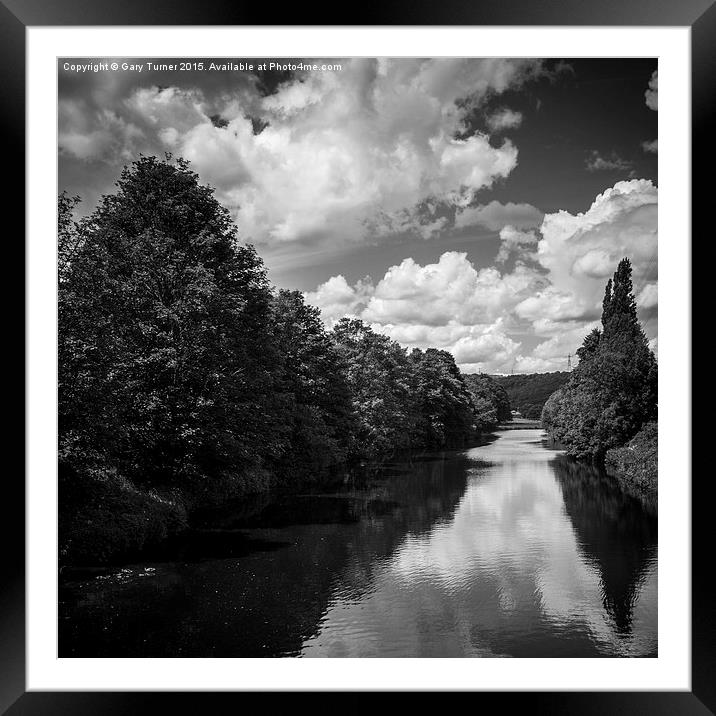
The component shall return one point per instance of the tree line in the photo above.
(612, 393)
(182, 370)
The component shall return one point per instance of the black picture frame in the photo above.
(699, 15)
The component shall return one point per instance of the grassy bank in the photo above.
(635, 464)
(103, 517)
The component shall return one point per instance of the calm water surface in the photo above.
(508, 549)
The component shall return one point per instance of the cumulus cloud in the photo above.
(450, 304)
(651, 147)
(515, 241)
(353, 154)
(580, 252)
(504, 119)
(488, 348)
(526, 319)
(337, 298)
(652, 93)
(621, 219)
(451, 290)
(168, 107)
(648, 297)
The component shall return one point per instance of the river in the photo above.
(505, 549)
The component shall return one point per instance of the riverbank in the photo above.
(106, 520)
(635, 465)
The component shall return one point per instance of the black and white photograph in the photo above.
(357, 357)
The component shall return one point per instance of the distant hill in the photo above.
(529, 392)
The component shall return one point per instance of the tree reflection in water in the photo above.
(616, 530)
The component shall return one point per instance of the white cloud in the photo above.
(596, 263)
(595, 162)
(652, 93)
(168, 107)
(504, 119)
(651, 147)
(450, 290)
(648, 297)
(354, 153)
(337, 299)
(552, 305)
(515, 241)
(342, 155)
(450, 304)
(581, 251)
(489, 348)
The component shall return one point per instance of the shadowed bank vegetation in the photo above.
(186, 379)
(636, 464)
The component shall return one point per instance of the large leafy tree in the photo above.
(165, 363)
(613, 390)
(317, 419)
(378, 373)
(403, 402)
(443, 405)
(490, 400)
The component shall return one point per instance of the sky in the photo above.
(475, 205)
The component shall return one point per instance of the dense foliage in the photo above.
(316, 420)
(635, 464)
(490, 401)
(163, 350)
(184, 377)
(612, 393)
(528, 393)
(444, 410)
(402, 401)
